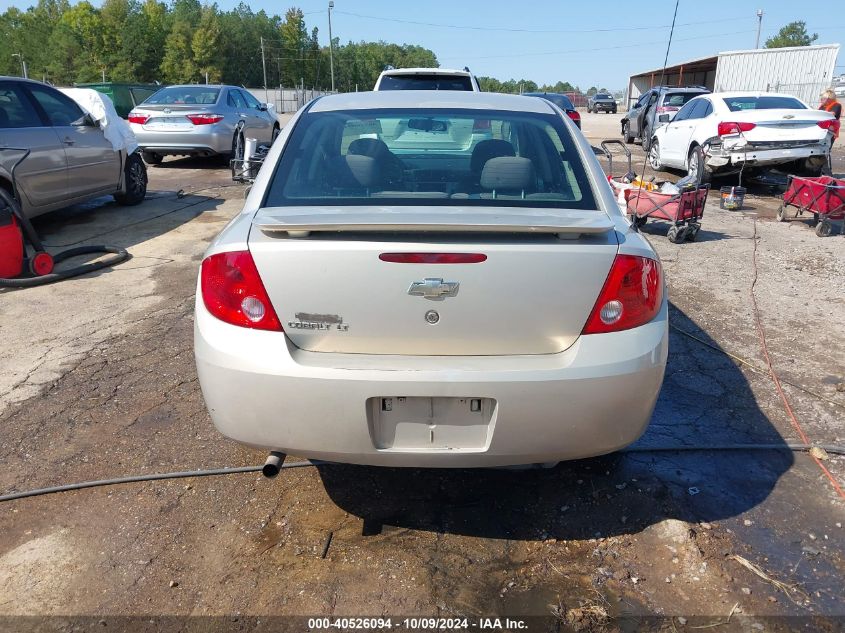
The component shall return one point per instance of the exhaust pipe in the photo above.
(273, 464)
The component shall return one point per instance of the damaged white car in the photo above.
(723, 133)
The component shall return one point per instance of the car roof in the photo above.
(700, 89)
(747, 93)
(426, 71)
(445, 99)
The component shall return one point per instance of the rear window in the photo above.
(737, 104)
(184, 95)
(677, 99)
(561, 101)
(425, 82)
(431, 157)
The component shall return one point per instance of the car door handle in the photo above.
(69, 141)
(242, 115)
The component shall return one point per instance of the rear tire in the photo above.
(151, 158)
(626, 132)
(695, 166)
(654, 156)
(135, 177)
(676, 234)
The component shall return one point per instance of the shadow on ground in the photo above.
(705, 401)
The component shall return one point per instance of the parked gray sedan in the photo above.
(200, 121)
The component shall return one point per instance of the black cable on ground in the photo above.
(829, 448)
(119, 255)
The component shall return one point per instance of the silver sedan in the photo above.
(200, 121)
(398, 291)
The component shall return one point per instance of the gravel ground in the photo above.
(107, 387)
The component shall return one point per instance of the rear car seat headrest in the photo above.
(508, 173)
(353, 171)
(485, 150)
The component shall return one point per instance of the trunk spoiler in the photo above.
(300, 221)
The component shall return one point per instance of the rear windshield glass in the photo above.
(431, 157)
(424, 82)
(182, 95)
(561, 101)
(763, 103)
(677, 99)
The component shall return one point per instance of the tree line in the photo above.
(184, 41)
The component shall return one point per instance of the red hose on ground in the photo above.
(794, 420)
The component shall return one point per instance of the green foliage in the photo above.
(793, 34)
(185, 41)
(513, 86)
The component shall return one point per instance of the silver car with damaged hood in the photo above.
(401, 291)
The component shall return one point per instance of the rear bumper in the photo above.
(216, 139)
(720, 158)
(594, 398)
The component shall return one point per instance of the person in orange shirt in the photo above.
(830, 104)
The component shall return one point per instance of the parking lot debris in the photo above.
(693, 490)
(819, 453)
(761, 574)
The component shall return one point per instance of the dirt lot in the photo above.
(97, 380)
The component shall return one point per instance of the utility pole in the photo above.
(759, 24)
(331, 44)
(23, 64)
(104, 75)
(264, 67)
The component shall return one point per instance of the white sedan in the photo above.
(437, 305)
(722, 133)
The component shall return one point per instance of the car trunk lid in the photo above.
(531, 293)
(782, 125)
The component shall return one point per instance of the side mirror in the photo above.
(262, 107)
(86, 120)
(663, 118)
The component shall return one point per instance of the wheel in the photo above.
(824, 228)
(654, 156)
(276, 132)
(626, 132)
(41, 264)
(645, 135)
(783, 214)
(695, 166)
(640, 220)
(135, 177)
(676, 234)
(151, 158)
(692, 232)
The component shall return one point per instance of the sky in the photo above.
(586, 43)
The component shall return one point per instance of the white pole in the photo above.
(264, 66)
(331, 45)
(759, 25)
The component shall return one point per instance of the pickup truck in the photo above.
(601, 101)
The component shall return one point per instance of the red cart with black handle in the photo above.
(823, 196)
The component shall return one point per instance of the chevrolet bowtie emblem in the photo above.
(433, 288)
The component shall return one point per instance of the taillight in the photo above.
(204, 119)
(433, 258)
(138, 118)
(727, 128)
(573, 114)
(232, 291)
(631, 295)
(826, 124)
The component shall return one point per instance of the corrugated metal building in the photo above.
(802, 71)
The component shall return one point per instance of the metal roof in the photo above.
(418, 99)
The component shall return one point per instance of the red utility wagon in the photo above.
(824, 197)
(682, 210)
